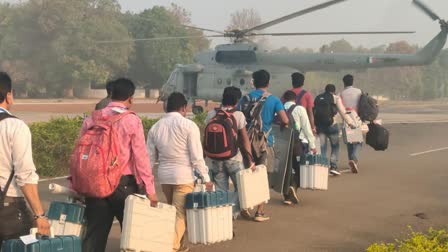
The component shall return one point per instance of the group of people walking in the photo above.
(175, 146)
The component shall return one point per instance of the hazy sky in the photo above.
(352, 15)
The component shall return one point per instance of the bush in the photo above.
(433, 241)
(147, 124)
(199, 120)
(53, 142)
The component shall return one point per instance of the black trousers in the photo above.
(293, 173)
(15, 220)
(100, 214)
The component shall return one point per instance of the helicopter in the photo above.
(233, 64)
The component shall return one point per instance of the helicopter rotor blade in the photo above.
(184, 25)
(203, 29)
(329, 33)
(155, 39)
(423, 7)
(293, 15)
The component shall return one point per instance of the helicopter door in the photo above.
(191, 84)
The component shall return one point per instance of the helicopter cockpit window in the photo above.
(236, 57)
(242, 82)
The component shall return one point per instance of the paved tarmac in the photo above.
(378, 204)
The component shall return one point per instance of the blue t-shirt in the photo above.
(270, 108)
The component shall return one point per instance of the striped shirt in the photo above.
(16, 151)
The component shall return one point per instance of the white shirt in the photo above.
(341, 110)
(15, 151)
(350, 97)
(175, 142)
(302, 124)
(240, 124)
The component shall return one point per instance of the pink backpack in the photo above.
(94, 166)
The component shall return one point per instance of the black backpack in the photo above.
(377, 137)
(367, 108)
(220, 136)
(324, 110)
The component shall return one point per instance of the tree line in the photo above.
(55, 48)
(51, 47)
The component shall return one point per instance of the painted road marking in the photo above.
(429, 151)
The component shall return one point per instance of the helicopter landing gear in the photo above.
(197, 109)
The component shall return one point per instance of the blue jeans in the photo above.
(221, 172)
(331, 134)
(353, 151)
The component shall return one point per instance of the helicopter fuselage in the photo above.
(233, 65)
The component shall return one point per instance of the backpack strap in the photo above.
(300, 96)
(291, 109)
(3, 193)
(261, 101)
(4, 115)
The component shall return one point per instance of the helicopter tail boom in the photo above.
(331, 62)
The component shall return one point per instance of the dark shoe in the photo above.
(293, 194)
(261, 217)
(353, 166)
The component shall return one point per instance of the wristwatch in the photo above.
(39, 216)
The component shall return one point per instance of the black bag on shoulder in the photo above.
(367, 108)
(324, 110)
(377, 137)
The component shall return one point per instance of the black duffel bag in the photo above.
(377, 137)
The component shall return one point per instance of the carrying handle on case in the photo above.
(34, 232)
(141, 196)
(200, 187)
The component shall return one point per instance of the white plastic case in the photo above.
(253, 187)
(210, 225)
(147, 228)
(314, 177)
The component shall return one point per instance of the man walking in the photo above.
(18, 178)
(303, 97)
(223, 169)
(134, 160)
(326, 107)
(350, 99)
(271, 106)
(175, 143)
(305, 138)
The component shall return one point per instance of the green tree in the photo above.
(153, 61)
(57, 40)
